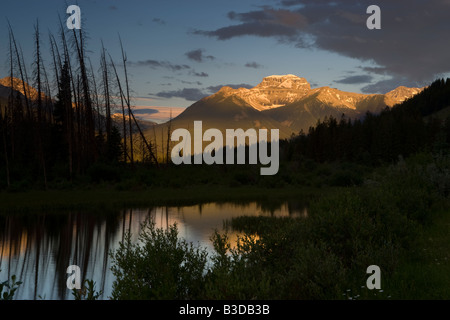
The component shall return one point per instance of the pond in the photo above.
(38, 248)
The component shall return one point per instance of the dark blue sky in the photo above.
(179, 51)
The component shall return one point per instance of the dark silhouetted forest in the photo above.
(47, 138)
(419, 124)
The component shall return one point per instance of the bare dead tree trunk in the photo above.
(25, 86)
(39, 125)
(162, 145)
(48, 98)
(148, 145)
(74, 145)
(156, 142)
(91, 146)
(97, 102)
(124, 122)
(21, 71)
(57, 64)
(8, 181)
(124, 59)
(10, 109)
(125, 153)
(104, 68)
(80, 145)
(169, 129)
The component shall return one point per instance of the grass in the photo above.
(425, 273)
(109, 186)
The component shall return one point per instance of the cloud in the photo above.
(190, 94)
(375, 70)
(214, 89)
(191, 82)
(390, 84)
(195, 94)
(199, 74)
(160, 64)
(198, 56)
(253, 65)
(144, 111)
(410, 45)
(255, 28)
(355, 79)
(159, 21)
(156, 113)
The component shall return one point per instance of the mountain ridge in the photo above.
(292, 102)
(268, 93)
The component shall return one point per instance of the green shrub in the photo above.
(159, 266)
(87, 292)
(9, 287)
(346, 178)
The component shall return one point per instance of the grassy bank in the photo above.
(118, 186)
(425, 272)
(38, 200)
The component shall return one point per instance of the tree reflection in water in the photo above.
(38, 248)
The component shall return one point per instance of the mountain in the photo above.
(284, 102)
(5, 90)
(4, 93)
(223, 110)
(401, 94)
(117, 120)
(274, 91)
(290, 100)
(325, 102)
(5, 85)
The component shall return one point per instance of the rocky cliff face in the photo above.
(400, 94)
(272, 92)
(32, 93)
(282, 90)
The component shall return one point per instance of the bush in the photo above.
(346, 178)
(159, 266)
(10, 288)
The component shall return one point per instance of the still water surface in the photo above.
(38, 248)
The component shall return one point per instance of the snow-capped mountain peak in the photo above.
(288, 81)
(280, 90)
(273, 92)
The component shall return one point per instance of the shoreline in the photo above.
(109, 197)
